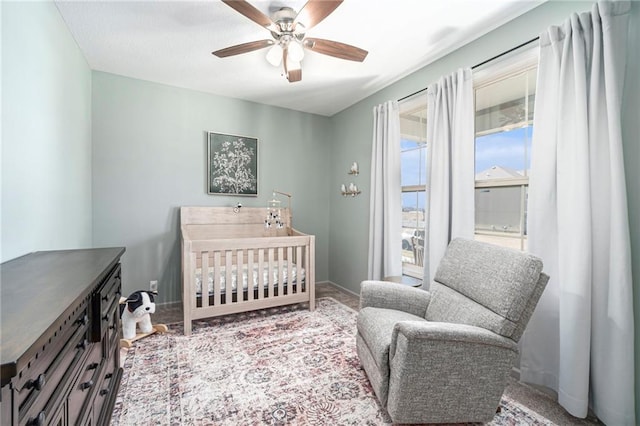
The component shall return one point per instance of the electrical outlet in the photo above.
(153, 285)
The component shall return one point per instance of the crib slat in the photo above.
(240, 276)
(307, 269)
(261, 274)
(204, 291)
(250, 275)
(216, 278)
(289, 269)
(270, 275)
(228, 277)
(299, 269)
(193, 297)
(280, 273)
(311, 272)
(188, 285)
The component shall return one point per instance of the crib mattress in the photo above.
(295, 274)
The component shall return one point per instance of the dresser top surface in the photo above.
(37, 288)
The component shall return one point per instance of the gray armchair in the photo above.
(444, 355)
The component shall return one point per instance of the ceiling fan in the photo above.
(288, 41)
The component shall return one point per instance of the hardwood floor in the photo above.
(339, 294)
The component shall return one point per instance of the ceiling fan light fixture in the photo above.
(295, 51)
(274, 55)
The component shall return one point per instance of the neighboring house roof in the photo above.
(498, 172)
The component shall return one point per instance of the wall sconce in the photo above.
(352, 189)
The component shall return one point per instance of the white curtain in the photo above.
(385, 212)
(450, 166)
(580, 340)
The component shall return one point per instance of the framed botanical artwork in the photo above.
(232, 165)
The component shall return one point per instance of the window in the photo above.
(504, 100)
(413, 158)
(504, 103)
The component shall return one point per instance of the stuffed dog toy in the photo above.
(137, 309)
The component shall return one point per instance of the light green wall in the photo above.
(46, 133)
(348, 237)
(149, 158)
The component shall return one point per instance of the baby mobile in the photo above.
(274, 217)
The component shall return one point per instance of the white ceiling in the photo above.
(170, 42)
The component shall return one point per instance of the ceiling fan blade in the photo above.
(335, 48)
(243, 48)
(315, 11)
(245, 8)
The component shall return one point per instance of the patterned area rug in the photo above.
(279, 366)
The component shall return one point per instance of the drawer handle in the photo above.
(38, 421)
(108, 375)
(103, 392)
(92, 366)
(37, 383)
(112, 327)
(86, 385)
(105, 297)
(83, 344)
(83, 321)
(105, 318)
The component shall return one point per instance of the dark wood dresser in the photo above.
(59, 337)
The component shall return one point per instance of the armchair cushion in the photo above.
(487, 286)
(453, 307)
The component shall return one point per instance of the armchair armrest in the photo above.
(471, 363)
(388, 295)
(430, 333)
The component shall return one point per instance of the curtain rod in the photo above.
(506, 52)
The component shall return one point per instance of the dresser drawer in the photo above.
(108, 387)
(61, 371)
(38, 380)
(83, 387)
(104, 302)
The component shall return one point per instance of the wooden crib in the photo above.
(249, 265)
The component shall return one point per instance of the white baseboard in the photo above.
(346, 290)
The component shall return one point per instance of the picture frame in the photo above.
(232, 165)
